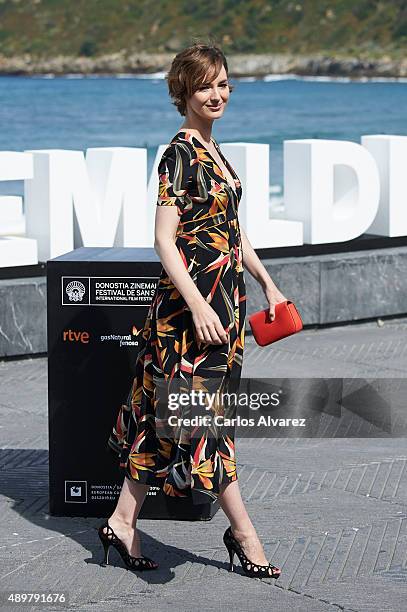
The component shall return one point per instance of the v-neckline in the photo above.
(227, 165)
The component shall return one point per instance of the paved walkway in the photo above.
(332, 512)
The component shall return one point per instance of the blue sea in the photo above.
(77, 112)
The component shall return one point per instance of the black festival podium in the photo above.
(97, 303)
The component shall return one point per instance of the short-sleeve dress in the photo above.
(187, 458)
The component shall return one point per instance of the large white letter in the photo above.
(106, 191)
(390, 153)
(14, 250)
(332, 186)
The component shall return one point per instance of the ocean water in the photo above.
(77, 112)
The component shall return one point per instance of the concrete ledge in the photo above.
(334, 288)
(23, 320)
(339, 287)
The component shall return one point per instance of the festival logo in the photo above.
(75, 291)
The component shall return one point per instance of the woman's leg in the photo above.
(242, 528)
(123, 520)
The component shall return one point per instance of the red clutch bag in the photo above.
(287, 321)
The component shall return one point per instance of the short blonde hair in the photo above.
(189, 69)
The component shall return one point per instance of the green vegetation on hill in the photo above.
(47, 28)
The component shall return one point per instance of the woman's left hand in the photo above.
(274, 296)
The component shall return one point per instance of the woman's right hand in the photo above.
(208, 327)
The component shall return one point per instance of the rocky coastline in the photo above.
(240, 65)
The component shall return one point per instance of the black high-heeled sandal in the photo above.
(110, 538)
(251, 569)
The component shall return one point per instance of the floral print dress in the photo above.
(189, 460)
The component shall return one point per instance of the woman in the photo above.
(194, 330)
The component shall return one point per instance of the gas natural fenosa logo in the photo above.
(124, 340)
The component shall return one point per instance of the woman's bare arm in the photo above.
(253, 264)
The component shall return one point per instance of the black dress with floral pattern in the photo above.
(189, 461)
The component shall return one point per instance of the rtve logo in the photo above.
(69, 335)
